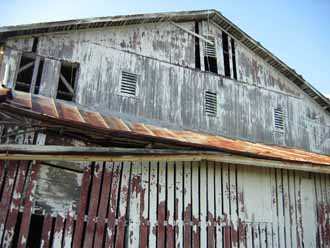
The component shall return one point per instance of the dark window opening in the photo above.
(35, 44)
(66, 84)
(38, 80)
(25, 73)
(197, 48)
(225, 47)
(34, 237)
(210, 56)
(233, 55)
(211, 64)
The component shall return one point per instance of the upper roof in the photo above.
(214, 16)
(70, 115)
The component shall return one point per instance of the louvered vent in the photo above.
(210, 107)
(128, 83)
(279, 119)
(209, 49)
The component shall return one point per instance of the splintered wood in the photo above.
(169, 204)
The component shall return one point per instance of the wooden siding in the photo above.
(170, 90)
(169, 204)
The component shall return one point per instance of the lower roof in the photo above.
(67, 114)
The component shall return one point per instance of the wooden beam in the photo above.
(66, 83)
(60, 153)
(23, 68)
(193, 33)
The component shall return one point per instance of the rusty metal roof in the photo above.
(70, 114)
(184, 16)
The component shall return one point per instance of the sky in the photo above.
(296, 31)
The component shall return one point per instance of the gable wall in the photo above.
(175, 94)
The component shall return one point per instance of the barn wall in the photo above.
(175, 94)
(195, 204)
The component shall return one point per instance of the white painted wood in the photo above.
(179, 204)
(171, 195)
(286, 209)
(309, 219)
(134, 205)
(211, 204)
(293, 209)
(187, 200)
(153, 204)
(233, 203)
(280, 197)
(203, 202)
(218, 199)
(196, 197)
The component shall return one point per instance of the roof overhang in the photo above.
(215, 16)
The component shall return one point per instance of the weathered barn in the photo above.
(171, 129)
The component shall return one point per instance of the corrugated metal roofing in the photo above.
(214, 16)
(66, 113)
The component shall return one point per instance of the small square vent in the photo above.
(279, 119)
(210, 103)
(209, 49)
(128, 83)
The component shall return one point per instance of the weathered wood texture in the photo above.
(160, 204)
(170, 89)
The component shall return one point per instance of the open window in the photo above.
(67, 81)
(210, 55)
(226, 60)
(29, 73)
(25, 73)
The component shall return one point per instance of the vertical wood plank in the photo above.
(153, 204)
(300, 234)
(226, 205)
(161, 204)
(286, 209)
(68, 230)
(281, 201)
(170, 241)
(58, 231)
(93, 204)
(144, 216)
(25, 224)
(134, 207)
(104, 201)
(219, 196)
(195, 205)
(2, 173)
(211, 205)
(249, 236)
(179, 204)
(293, 209)
(275, 224)
(85, 184)
(320, 212)
(203, 204)
(233, 206)
(123, 202)
(9, 182)
(46, 230)
(187, 204)
(15, 203)
(241, 206)
(114, 195)
(256, 236)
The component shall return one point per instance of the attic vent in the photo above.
(210, 104)
(209, 49)
(128, 83)
(279, 119)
